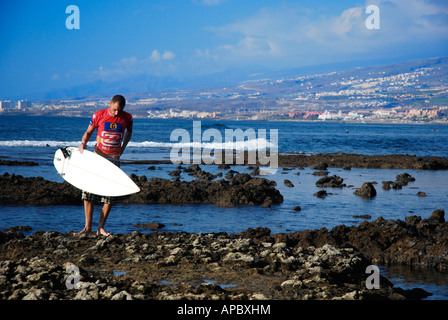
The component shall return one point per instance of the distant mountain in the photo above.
(231, 77)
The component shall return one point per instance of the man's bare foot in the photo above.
(85, 231)
(102, 232)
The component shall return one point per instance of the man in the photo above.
(114, 130)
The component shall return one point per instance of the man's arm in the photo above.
(86, 138)
(127, 137)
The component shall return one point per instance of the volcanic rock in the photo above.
(330, 181)
(366, 191)
(242, 189)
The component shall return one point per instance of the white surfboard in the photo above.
(92, 173)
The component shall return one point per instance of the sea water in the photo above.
(37, 138)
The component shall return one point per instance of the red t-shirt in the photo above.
(110, 130)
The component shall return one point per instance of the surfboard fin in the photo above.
(65, 152)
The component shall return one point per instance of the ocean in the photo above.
(37, 138)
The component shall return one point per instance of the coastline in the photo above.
(365, 121)
(341, 160)
(333, 160)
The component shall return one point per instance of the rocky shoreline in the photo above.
(342, 160)
(231, 190)
(334, 160)
(255, 264)
(240, 189)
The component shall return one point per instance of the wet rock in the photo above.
(438, 216)
(314, 264)
(242, 189)
(193, 168)
(18, 163)
(331, 182)
(151, 225)
(240, 178)
(223, 166)
(366, 191)
(401, 180)
(288, 183)
(404, 178)
(320, 173)
(203, 175)
(18, 228)
(175, 173)
(16, 189)
(387, 185)
(229, 175)
(345, 160)
(422, 194)
(319, 166)
(363, 216)
(321, 194)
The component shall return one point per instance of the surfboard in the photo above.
(90, 172)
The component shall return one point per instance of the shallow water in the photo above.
(337, 208)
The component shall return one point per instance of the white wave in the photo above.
(254, 144)
(35, 143)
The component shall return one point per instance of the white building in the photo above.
(381, 113)
(330, 116)
(22, 104)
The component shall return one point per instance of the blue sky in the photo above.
(181, 38)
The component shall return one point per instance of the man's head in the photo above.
(117, 105)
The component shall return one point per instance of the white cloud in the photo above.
(168, 55)
(347, 21)
(128, 61)
(155, 56)
(156, 63)
(292, 35)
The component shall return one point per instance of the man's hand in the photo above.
(86, 138)
(82, 146)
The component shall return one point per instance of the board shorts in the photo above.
(103, 199)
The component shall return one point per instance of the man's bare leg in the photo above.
(103, 217)
(88, 208)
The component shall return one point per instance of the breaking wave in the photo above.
(253, 144)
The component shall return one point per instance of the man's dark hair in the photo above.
(120, 99)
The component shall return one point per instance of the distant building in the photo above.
(381, 113)
(352, 115)
(296, 114)
(23, 104)
(311, 115)
(431, 113)
(330, 116)
(202, 115)
(6, 105)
